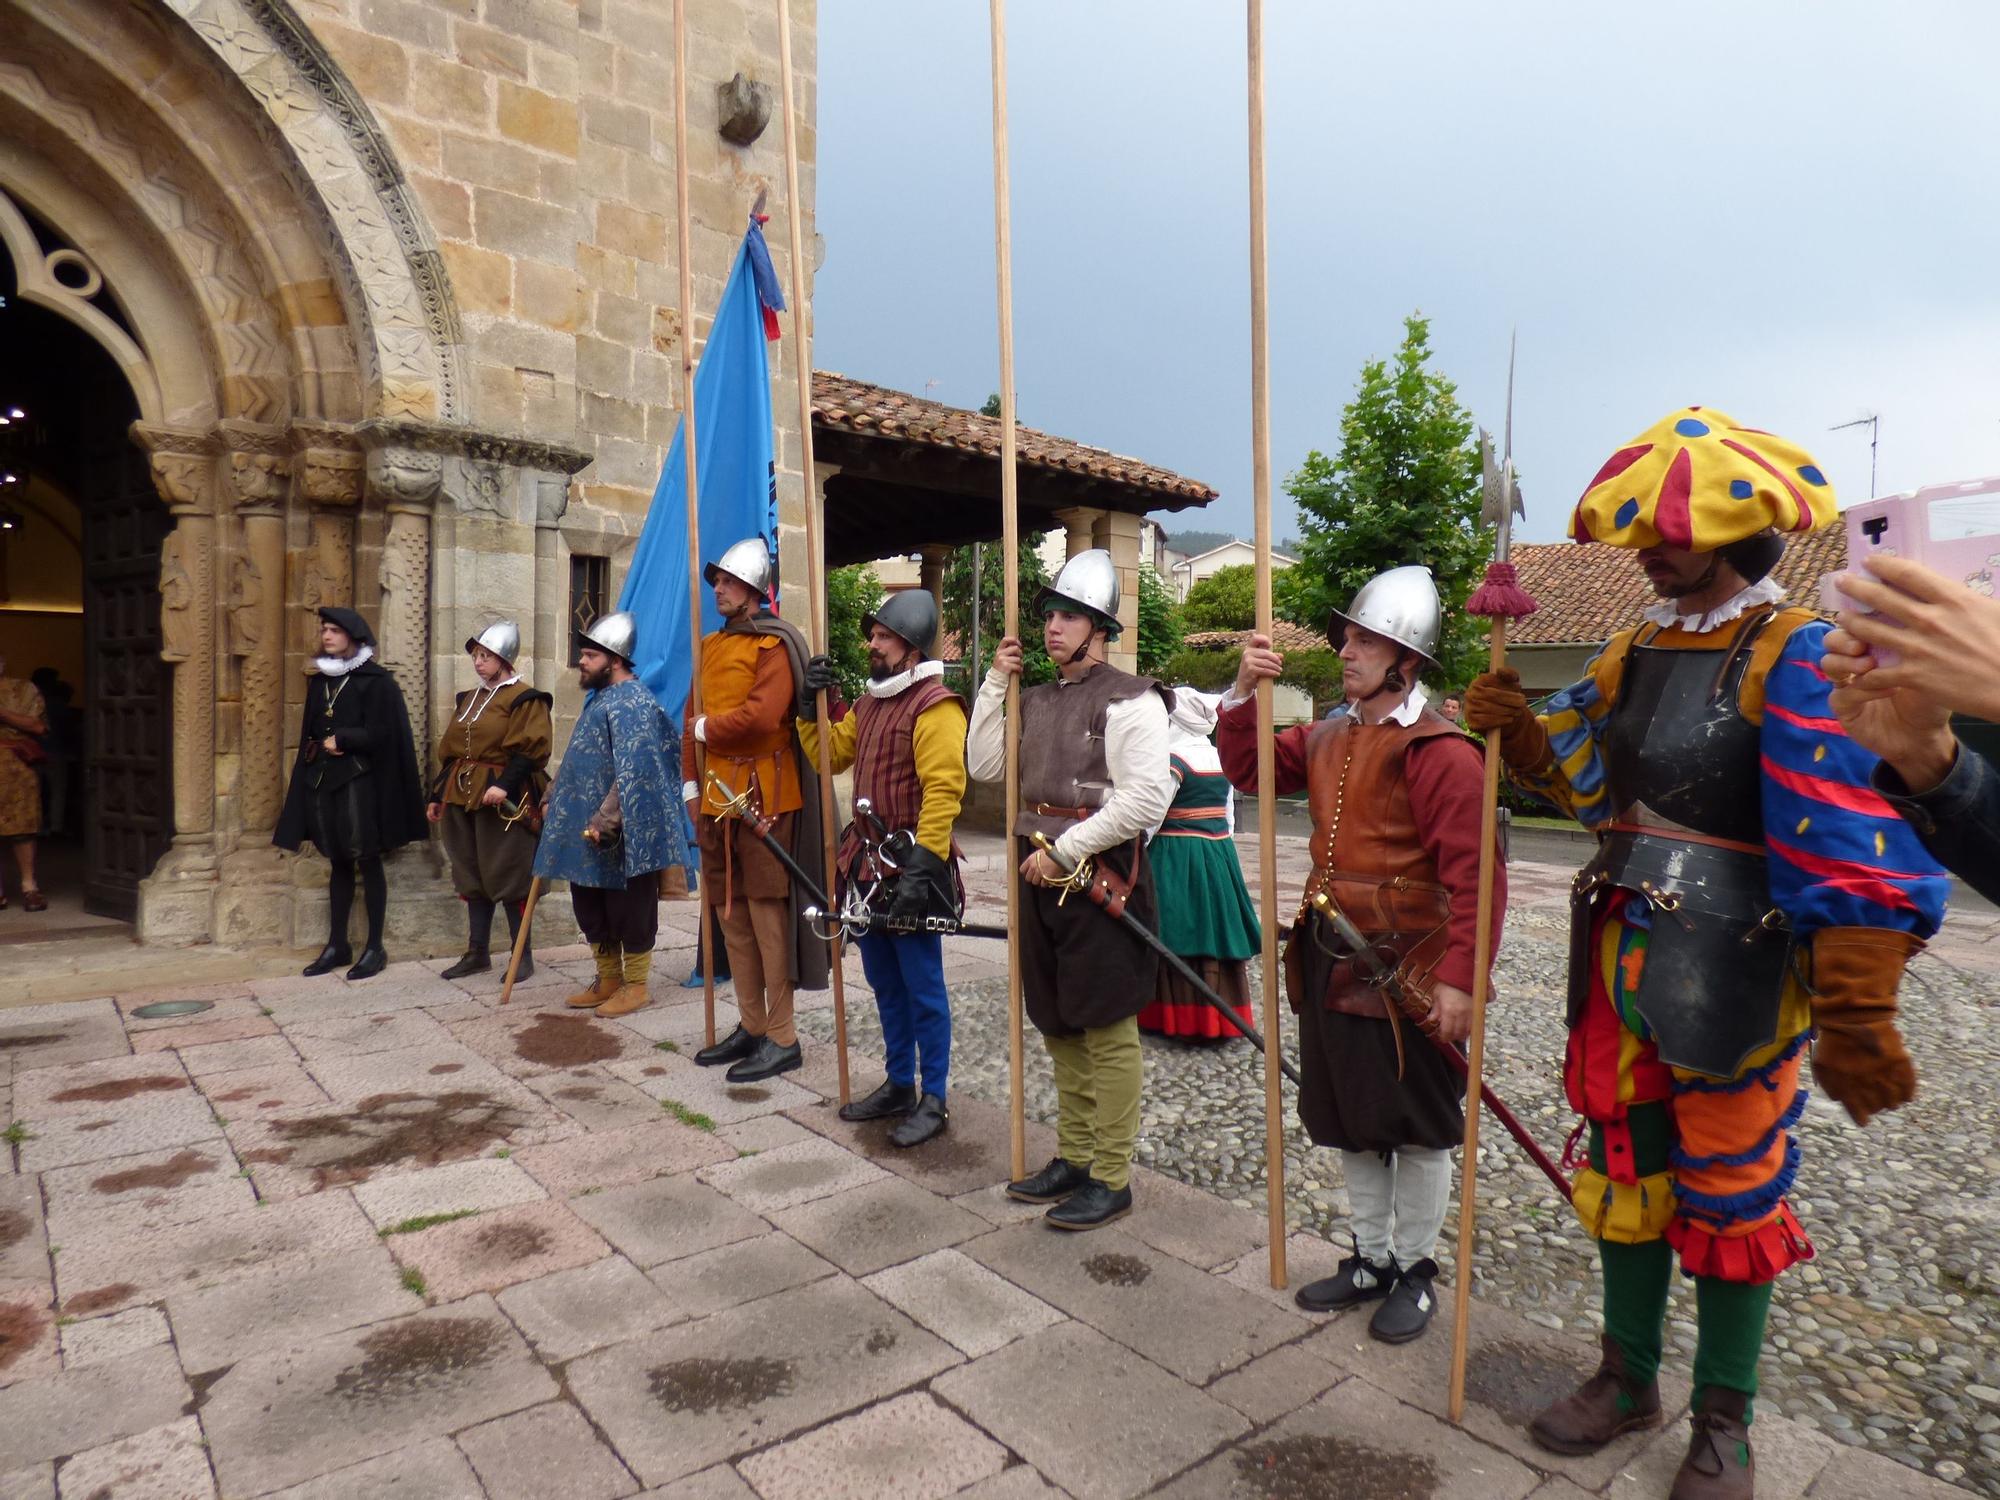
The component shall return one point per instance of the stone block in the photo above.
(537, 119)
(498, 1249)
(128, 1130)
(228, 1000)
(765, 1133)
(1869, 1476)
(619, 1157)
(432, 1470)
(276, 1419)
(359, 1036)
(131, 1196)
(712, 1281)
(1307, 1258)
(602, 365)
(718, 1483)
(377, 66)
(1364, 1442)
(1025, 1395)
(962, 1302)
(631, 231)
(38, 1482)
(451, 91)
(543, 1451)
(93, 1089)
(706, 1091)
(485, 50)
(617, 124)
(230, 1057)
(230, 1028)
(1018, 1483)
(546, 1036)
(1274, 1384)
(594, 1099)
(666, 1218)
(606, 270)
(285, 1086)
(90, 1406)
(551, 296)
(910, 1448)
(973, 1153)
(163, 1463)
(435, 1068)
(881, 1223)
(448, 203)
(29, 1350)
(790, 1175)
(568, 1313)
(418, 24)
(457, 1187)
(1197, 1227)
(46, 1036)
(97, 1339)
(482, 280)
(677, 1401)
(1180, 1318)
(514, 225)
(24, 1251)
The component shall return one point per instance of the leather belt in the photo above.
(1049, 810)
(1685, 836)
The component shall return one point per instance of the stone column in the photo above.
(1117, 532)
(1077, 522)
(327, 478)
(930, 575)
(259, 477)
(545, 633)
(405, 482)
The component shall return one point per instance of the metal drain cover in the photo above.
(159, 1010)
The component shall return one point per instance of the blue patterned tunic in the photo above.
(622, 732)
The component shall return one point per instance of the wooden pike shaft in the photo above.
(1267, 802)
(1010, 542)
(686, 262)
(1475, 1061)
(521, 939)
(815, 527)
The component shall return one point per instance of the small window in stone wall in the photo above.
(589, 591)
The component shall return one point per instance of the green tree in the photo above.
(851, 592)
(990, 407)
(1404, 488)
(956, 588)
(1159, 622)
(1225, 600)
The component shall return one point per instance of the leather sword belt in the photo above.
(1718, 952)
(1050, 810)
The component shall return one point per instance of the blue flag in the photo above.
(735, 476)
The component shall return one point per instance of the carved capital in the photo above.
(182, 461)
(328, 467)
(551, 498)
(260, 463)
(405, 477)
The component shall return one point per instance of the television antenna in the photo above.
(1873, 422)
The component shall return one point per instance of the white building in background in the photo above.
(1188, 571)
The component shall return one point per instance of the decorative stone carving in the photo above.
(406, 615)
(256, 615)
(330, 476)
(405, 476)
(184, 471)
(551, 498)
(177, 597)
(743, 109)
(484, 489)
(326, 574)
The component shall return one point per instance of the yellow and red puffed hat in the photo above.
(1698, 480)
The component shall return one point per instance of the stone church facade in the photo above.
(393, 286)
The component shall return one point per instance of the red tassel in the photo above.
(1501, 595)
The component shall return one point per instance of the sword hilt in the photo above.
(1075, 878)
(735, 804)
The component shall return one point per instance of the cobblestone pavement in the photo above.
(1885, 1341)
(337, 1242)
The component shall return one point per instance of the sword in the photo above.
(1378, 975)
(1082, 877)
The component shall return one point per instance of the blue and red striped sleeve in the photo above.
(1841, 855)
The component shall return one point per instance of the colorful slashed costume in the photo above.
(1748, 887)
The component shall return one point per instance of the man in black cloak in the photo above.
(356, 793)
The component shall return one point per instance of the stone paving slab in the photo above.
(1857, 1475)
(910, 1448)
(677, 1401)
(280, 1418)
(790, 1175)
(1276, 1384)
(1180, 1318)
(765, 1133)
(434, 1068)
(234, 1056)
(1026, 1395)
(706, 1091)
(666, 1218)
(82, 1090)
(593, 1098)
(494, 1250)
(878, 1224)
(1189, 1224)
(29, 1348)
(165, 1463)
(42, 1036)
(1362, 1442)
(359, 1036)
(457, 1187)
(433, 1470)
(95, 1340)
(681, 1024)
(544, 1451)
(972, 1153)
(153, 1190)
(267, 1309)
(568, 1313)
(168, 1037)
(729, 1275)
(962, 1302)
(24, 1250)
(617, 1157)
(719, 1483)
(135, 1127)
(1018, 1483)
(523, 1041)
(253, 1091)
(226, 1002)
(38, 1482)
(85, 1408)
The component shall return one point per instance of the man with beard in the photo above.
(751, 671)
(355, 791)
(610, 825)
(906, 742)
(1095, 778)
(1395, 791)
(1749, 891)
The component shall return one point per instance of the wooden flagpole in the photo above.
(1267, 775)
(693, 506)
(1010, 542)
(815, 526)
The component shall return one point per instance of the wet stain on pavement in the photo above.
(881, 1341)
(512, 1242)
(580, 1092)
(1322, 1468)
(234, 1096)
(653, 1072)
(170, 1173)
(777, 1177)
(274, 1156)
(15, 1226)
(565, 1042)
(32, 1039)
(95, 1125)
(442, 1068)
(98, 1300)
(1116, 1270)
(21, 1326)
(748, 1094)
(116, 1089)
(430, 1129)
(1518, 1380)
(398, 1362)
(700, 1385)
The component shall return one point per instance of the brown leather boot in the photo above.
(1603, 1407)
(592, 995)
(624, 1000)
(1719, 1465)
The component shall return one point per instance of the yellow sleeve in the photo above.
(839, 742)
(938, 740)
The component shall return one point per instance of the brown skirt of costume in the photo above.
(1080, 967)
(1177, 1010)
(488, 857)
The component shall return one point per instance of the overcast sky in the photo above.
(1787, 212)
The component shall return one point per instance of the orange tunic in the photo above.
(748, 698)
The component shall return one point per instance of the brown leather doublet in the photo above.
(1064, 775)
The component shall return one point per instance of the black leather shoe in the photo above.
(1358, 1280)
(1406, 1311)
(372, 962)
(474, 962)
(732, 1048)
(766, 1060)
(1052, 1184)
(1091, 1206)
(527, 969)
(890, 1100)
(929, 1118)
(331, 957)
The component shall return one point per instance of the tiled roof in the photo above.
(1589, 593)
(1285, 636)
(857, 406)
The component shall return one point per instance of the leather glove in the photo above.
(1495, 704)
(819, 678)
(923, 873)
(1859, 1059)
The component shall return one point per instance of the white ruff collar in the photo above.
(888, 687)
(1766, 590)
(340, 666)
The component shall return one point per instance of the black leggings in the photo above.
(374, 898)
